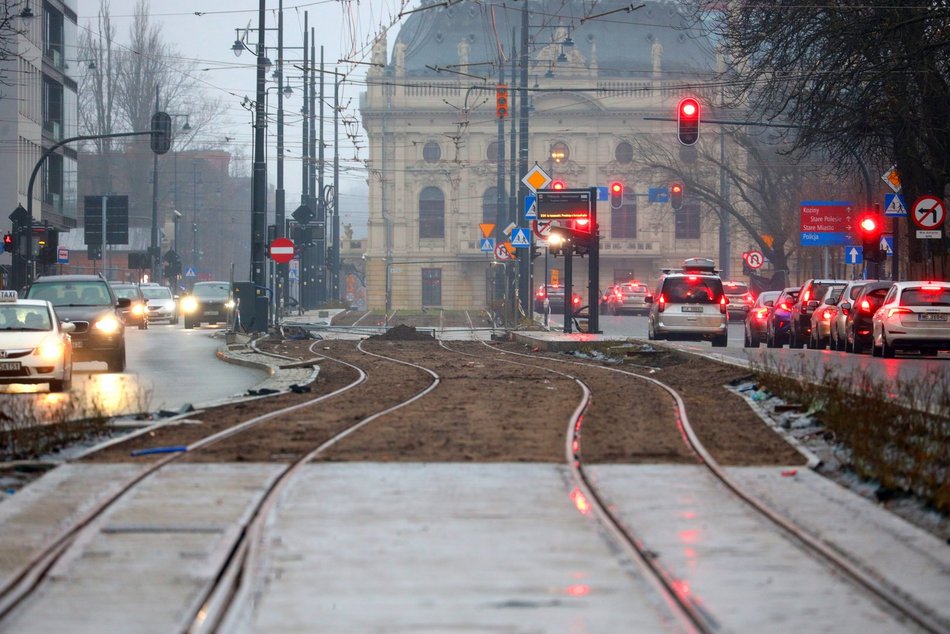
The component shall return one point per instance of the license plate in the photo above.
(211, 312)
(9, 365)
(692, 309)
(77, 344)
(932, 317)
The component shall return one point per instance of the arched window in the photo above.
(491, 154)
(624, 153)
(431, 213)
(560, 153)
(490, 205)
(623, 221)
(431, 152)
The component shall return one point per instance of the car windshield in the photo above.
(157, 293)
(924, 296)
(130, 293)
(734, 288)
(71, 293)
(693, 290)
(833, 293)
(211, 291)
(20, 317)
(855, 290)
(633, 288)
(766, 296)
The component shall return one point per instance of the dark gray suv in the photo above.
(88, 302)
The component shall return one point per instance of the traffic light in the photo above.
(558, 185)
(687, 121)
(49, 245)
(93, 252)
(9, 243)
(676, 196)
(616, 195)
(501, 100)
(161, 137)
(872, 228)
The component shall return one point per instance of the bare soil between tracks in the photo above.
(488, 407)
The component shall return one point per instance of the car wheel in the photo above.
(770, 340)
(117, 361)
(651, 332)
(189, 323)
(795, 341)
(61, 385)
(875, 351)
(174, 320)
(746, 341)
(887, 350)
(720, 341)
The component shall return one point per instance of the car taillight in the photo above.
(844, 311)
(541, 294)
(930, 289)
(661, 305)
(865, 305)
(762, 313)
(806, 296)
(783, 306)
(826, 315)
(722, 304)
(749, 298)
(898, 311)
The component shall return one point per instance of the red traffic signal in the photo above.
(616, 195)
(8, 243)
(687, 121)
(676, 195)
(501, 101)
(558, 185)
(871, 227)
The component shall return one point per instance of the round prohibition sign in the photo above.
(929, 212)
(754, 259)
(501, 252)
(541, 228)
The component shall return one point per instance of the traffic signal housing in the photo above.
(676, 196)
(558, 185)
(616, 195)
(9, 243)
(501, 100)
(687, 121)
(871, 227)
(161, 137)
(49, 246)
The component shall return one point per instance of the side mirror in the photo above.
(832, 301)
(770, 302)
(67, 326)
(845, 306)
(813, 303)
(124, 302)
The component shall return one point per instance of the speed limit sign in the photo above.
(754, 259)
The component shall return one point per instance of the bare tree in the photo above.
(11, 26)
(864, 83)
(97, 90)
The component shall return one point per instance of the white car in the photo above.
(162, 306)
(34, 346)
(914, 316)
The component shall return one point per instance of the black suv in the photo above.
(88, 302)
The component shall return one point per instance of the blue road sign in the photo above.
(521, 238)
(488, 245)
(894, 205)
(853, 254)
(825, 238)
(190, 272)
(658, 195)
(602, 193)
(887, 244)
(530, 207)
(62, 255)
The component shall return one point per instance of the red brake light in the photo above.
(762, 313)
(930, 289)
(692, 278)
(805, 296)
(898, 311)
(577, 299)
(826, 315)
(865, 305)
(783, 305)
(749, 297)
(722, 304)
(661, 304)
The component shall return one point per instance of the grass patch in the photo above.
(897, 431)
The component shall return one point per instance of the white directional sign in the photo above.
(894, 205)
(929, 212)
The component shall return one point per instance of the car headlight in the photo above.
(138, 309)
(108, 324)
(189, 304)
(229, 304)
(50, 350)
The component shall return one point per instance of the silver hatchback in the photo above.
(689, 306)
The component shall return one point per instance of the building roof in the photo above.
(661, 36)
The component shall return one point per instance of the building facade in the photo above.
(438, 157)
(38, 108)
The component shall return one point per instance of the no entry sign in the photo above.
(282, 250)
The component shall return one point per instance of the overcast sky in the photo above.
(204, 30)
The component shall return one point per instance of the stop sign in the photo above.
(282, 250)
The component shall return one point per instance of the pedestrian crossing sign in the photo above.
(190, 272)
(894, 205)
(488, 245)
(521, 238)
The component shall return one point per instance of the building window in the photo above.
(53, 108)
(492, 154)
(490, 205)
(431, 213)
(55, 38)
(560, 152)
(431, 287)
(431, 152)
(53, 183)
(687, 221)
(623, 221)
(624, 153)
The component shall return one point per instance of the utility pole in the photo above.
(501, 285)
(153, 249)
(524, 263)
(335, 264)
(282, 269)
(321, 259)
(259, 178)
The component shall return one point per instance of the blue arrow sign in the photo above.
(521, 238)
(894, 205)
(488, 245)
(530, 207)
(658, 195)
(602, 193)
(853, 254)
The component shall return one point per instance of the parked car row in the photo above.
(858, 316)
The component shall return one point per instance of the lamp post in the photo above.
(259, 177)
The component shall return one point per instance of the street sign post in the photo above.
(282, 250)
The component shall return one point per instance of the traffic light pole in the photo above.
(25, 276)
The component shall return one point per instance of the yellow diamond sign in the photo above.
(536, 178)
